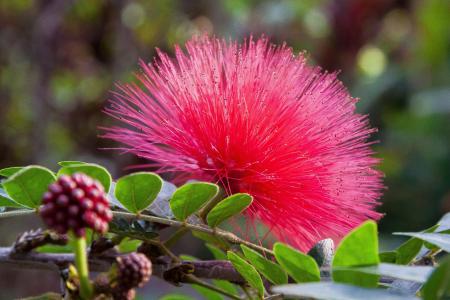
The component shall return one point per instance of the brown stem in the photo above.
(212, 269)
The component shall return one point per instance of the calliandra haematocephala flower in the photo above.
(256, 118)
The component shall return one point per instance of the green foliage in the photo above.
(409, 249)
(388, 256)
(301, 267)
(247, 271)
(358, 248)
(438, 285)
(216, 252)
(6, 201)
(228, 207)
(410, 273)
(128, 245)
(93, 170)
(337, 291)
(7, 172)
(67, 163)
(441, 240)
(138, 190)
(226, 286)
(27, 186)
(189, 198)
(211, 239)
(273, 272)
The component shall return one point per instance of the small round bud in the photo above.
(134, 270)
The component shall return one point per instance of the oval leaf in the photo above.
(67, 163)
(358, 248)
(247, 271)
(7, 172)
(189, 198)
(27, 186)
(137, 191)
(442, 240)
(407, 251)
(227, 208)
(273, 272)
(301, 267)
(216, 252)
(6, 201)
(337, 291)
(410, 273)
(93, 170)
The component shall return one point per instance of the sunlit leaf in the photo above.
(228, 207)
(273, 272)
(93, 170)
(358, 248)
(301, 267)
(27, 186)
(138, 190)
(189, 198)
(247, 271)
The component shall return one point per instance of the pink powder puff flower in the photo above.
(256, 119)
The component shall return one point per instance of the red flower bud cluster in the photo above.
(134, 270)
(74, 203)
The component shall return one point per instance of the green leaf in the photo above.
(438, 285)
(301, 267)
(216, 252)
(273, 272)
(247, 271)
(227, 208)
(407, 251)
(7, 172)
(388, 256)
(207, 293)
(191, 197)
(49, 248)
(442, 240)
(137, 191)
(211, 239)
(6, 201)
(27, 186)
(410, 273)
(128, 245)
(358, 248)
(93, 170)
(226, 286)
(337, 291)
(67, 163)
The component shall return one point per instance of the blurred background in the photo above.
(59, 61)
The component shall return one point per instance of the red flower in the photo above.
(257, 119)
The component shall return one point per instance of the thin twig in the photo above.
(17, 213)
(209, 269)
(231, 237)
